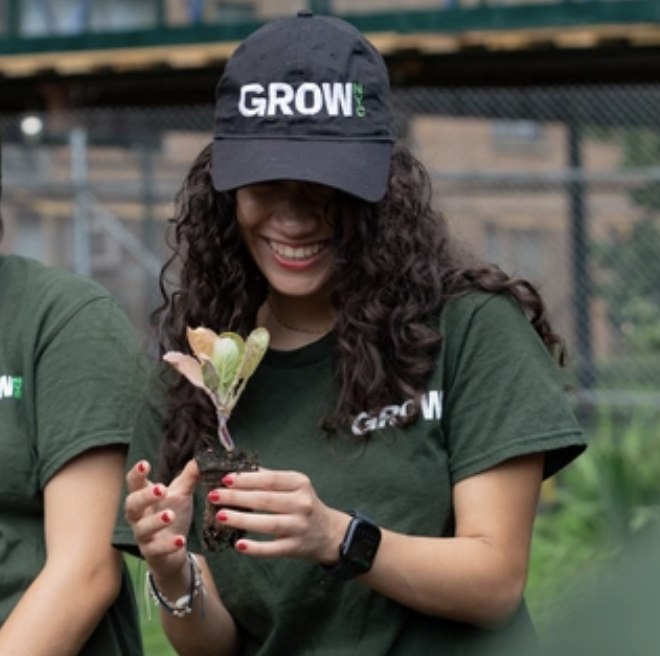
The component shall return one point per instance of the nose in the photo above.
(297, 202)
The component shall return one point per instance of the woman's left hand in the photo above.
(284, 506)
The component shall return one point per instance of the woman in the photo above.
(405, 414)
(69, 383)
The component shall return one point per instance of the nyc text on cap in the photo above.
(305, 98)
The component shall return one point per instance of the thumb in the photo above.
(186, 482)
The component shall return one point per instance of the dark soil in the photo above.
(214, 463)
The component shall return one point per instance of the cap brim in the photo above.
(357, 168)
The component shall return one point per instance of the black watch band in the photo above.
(358, 549)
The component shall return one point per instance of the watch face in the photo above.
(361, 543)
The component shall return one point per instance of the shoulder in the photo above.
(481, 309)
(489, 330)
(52, 292)
(40, 304)
(35, 278)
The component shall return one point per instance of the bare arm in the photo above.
(211, 633)
(82, 574)
(160, 517)
(478, 576)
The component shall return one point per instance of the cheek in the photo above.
(245, 232)
(247, 226)
(245, 220)
(249, 213)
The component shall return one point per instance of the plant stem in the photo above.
(223, 433)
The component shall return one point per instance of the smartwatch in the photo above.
(358, 550)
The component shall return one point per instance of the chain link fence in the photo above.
(558, 185)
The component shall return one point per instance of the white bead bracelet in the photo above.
(183, 605)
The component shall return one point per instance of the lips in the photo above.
(299, 253)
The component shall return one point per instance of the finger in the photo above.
(160, 545)
(147, 499)
(137, 476)
(186, 482)
(265, 524)
(262, 500)
(266, 479)
(154, 535)
(281, 548)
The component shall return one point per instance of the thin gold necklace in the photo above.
(297, 329)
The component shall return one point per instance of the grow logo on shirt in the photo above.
(431, 411)
(11, 387)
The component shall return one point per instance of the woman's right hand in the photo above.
(160, 516)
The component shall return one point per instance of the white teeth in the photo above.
(303, 253)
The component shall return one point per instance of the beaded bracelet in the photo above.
(183, 605)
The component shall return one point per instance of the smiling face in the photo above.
(284, 226)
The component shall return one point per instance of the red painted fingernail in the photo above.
(214, 495)
(158, 491)
(142, 467)
(179, 542)
(228, 481)
(221, 516)
(241, 546)
(165, 517)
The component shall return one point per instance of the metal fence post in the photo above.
(79, 179)
(149, 226)
(580, 259)
(161, 14)
(13, 19)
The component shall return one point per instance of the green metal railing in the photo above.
(449, 17)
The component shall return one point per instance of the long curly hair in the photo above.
(395, 267)
(2, 227)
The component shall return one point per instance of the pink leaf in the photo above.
(187, 366)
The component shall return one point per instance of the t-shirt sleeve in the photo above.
(503, 393)
(88, 375)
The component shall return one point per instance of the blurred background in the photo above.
(538, 121)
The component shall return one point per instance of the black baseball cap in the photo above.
(305, 98)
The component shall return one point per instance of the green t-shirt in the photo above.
(69, 381)
(495, 394)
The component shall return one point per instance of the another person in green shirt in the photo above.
(405, 414)
(69, 382)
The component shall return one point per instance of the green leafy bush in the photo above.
(603, 498)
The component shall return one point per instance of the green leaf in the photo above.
(210, 376)
(227, 358)
(255, 349)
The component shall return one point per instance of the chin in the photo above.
(298, 288)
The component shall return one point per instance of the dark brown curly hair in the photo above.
(1, 224)
(395, 267)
